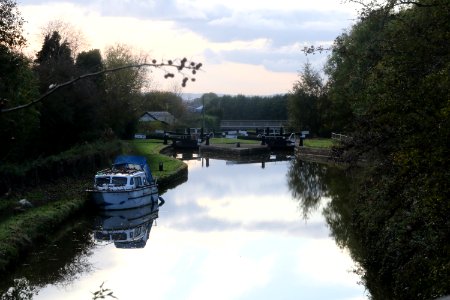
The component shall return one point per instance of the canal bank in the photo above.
(322, 155)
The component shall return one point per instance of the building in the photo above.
(155, 116)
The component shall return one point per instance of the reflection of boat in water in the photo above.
(128, 229)
(127, 184)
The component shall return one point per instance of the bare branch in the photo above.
(315, 49)
(192, 66)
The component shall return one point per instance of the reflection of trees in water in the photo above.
(63, 259)
(21, 289)
(310, 181)
(398, 240)
(305, 181)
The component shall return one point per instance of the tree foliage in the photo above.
(305, 100)
(390, 75)
(10, 25)
(242, 107)
(83, 96)
(17, 85)
(59, 112)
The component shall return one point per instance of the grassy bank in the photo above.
(54, 202)
(173, 171)
(318, 143)
(232, 141)
(151, 150)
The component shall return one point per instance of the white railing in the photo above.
(339, 137)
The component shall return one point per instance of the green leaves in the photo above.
(10, 25)
(391, 70)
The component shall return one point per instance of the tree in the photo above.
(90, 94)
(69, 34)
(304, 101)
(70, 107)
(162, 101)
(17, 85)
(10, 25)
(54, 64)
(391, 70)
(122, 91)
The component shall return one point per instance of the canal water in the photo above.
(233, 230)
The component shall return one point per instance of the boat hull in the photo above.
(125, 199)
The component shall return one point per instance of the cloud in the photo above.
(263, 39)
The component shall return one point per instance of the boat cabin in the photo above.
(120, 180)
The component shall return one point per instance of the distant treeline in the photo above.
(242, 107)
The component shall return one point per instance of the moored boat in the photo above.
(127, 184)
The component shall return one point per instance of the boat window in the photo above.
(119, 181)
(138, 181)
(119, 236)
(99, 181)
(131, 181)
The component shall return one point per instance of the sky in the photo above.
(248, 47)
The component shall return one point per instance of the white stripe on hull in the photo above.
(125, 199)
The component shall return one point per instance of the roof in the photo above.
(162, 116)
(158, 114)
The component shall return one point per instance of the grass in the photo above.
(318, 143)
(232, 141)
(52, 205)
(150, 149)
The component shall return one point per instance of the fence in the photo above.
(339, 137)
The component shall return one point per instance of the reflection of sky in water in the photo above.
(230, 232)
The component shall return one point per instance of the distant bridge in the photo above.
(249, 124)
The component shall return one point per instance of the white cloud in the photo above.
(248, 47)
(280, 5)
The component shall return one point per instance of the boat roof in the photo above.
(136, 160)
(130, 159)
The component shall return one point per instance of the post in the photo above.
(203, 112)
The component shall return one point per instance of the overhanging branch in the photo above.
(193, 67)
